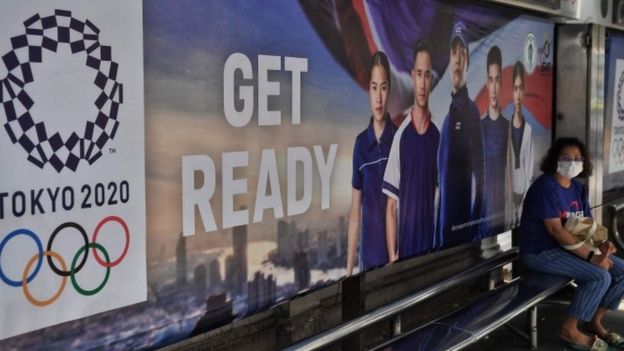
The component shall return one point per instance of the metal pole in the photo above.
(533, 326)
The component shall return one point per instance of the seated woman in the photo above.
(551, 199)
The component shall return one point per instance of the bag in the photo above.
(588, 233)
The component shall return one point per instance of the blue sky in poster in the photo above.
(188, 42)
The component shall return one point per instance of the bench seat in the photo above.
(475, 321)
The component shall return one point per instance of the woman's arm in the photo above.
(391, 208)
(354, 229)
(563, 237)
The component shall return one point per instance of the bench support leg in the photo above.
(396, 325)
(533, 326)
(353, 298)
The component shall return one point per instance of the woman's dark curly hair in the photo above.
(549, 162)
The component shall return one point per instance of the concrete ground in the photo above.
(550, 315)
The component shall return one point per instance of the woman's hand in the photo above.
(393, 258)
(608, 248)
(602, 260)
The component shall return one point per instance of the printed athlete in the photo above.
(460, 160)
(370, 155)
(410, 180)
(495, 129)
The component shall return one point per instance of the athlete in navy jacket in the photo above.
(460, 156)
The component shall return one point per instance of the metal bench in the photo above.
(506, 302)
(496, 309)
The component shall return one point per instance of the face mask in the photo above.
(569, 169)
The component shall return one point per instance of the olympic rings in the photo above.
(73, 276)
(58, 293)
(49, 248)
(40, 254)
(75, 266)
(125, 250)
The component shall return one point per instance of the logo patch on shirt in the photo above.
(457, 125)
(573, 211)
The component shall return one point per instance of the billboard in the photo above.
(614, 121)
(289, 144)
(72, 198)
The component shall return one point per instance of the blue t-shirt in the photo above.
(545, 199)
(495, 136)
(411, 179)
(460, 163)
(369, 163)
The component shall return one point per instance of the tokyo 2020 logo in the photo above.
(47, 34)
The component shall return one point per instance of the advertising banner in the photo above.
(614, 122)
(72, 196)
(616, 156)
(290, 144)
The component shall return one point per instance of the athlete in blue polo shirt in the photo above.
(411, 174)
(370, 155)
(460, 159)
(495, 128)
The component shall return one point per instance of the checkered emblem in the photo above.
(47, 33)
